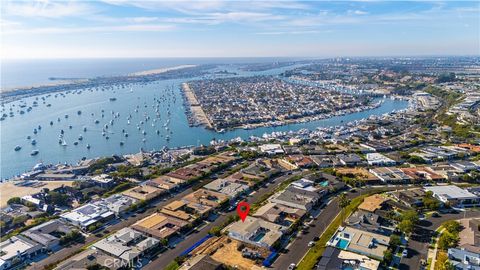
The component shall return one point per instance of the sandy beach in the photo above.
(9, 190)
(196, 110)
(160, 70)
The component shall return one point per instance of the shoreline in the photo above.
(195, 113)
(160, 70)
(14, 94)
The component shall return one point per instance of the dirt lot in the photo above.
(222, 251)
(358, 172)
(9, 190)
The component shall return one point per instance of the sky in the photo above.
(281, 28)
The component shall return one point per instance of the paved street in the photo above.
(166, 257)
(299, 247)
(420, 239)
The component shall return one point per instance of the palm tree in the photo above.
(343, 202)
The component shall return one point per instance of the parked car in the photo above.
(316, 238)
(435, 214)
(311, 244)
(292, 266)
(405, 253)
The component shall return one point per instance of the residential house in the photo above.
(17, 250)
(127, 244)
(144, 192)
(279, 214)
(47, 233)
(333, 258)
(160, 226)
(454, 195)
(256, 231)
(362, 242)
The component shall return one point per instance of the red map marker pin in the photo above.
(242, 210)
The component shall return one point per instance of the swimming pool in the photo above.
(342, 243)
(324, 184)
(259, 237)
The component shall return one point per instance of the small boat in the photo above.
(34, 142)
(64, 143)
(34, 152)
(88, 146)
(144, 140)
(79, 112)
(126, 134)
(96, 121)
(112, 99)
(18, 147)
(70, 127)
(121, 143)
(35, 131)
(84, 129)
(28, 137)
(106, 137)
(51, 123)
(80, 137)
(75, 143)
(66, 115)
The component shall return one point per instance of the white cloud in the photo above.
(143, 19)
(92, 29)
(47, 9)
(299, 32)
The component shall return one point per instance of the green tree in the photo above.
(387, 257)
(14, 200)
(395, 241)
(429, 202)
(343, 202)
(448, 240)
(452, 226)
(406, 226)
(20, 220)
(215, 231)
(58, 198)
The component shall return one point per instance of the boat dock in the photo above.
(196, 115)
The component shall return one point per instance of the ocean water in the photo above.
(20, 73)
(163, 97)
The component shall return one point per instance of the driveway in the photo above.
(420, 239)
